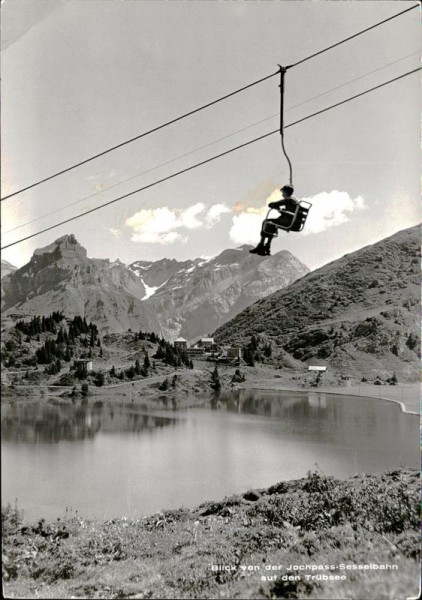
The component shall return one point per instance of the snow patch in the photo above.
(149, 290)
(136, 268)
(217, 266)
(116, 263)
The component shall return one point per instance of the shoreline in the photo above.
(343, 391)
(127, 390)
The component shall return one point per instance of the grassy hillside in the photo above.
(41, 352)
(256, 536)
(358, 314)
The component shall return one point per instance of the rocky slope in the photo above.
(60, 277)
(189, 298)
(6, 268)
(201, 294)
(359, 314)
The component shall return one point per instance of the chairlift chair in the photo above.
(297, 222)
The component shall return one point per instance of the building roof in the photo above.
(180, 339)
(207, 340)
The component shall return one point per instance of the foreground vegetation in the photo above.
(226, 549)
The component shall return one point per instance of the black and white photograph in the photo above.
(210, 292)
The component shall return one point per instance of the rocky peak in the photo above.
(66, 246)
(156, 273)
(232, 256)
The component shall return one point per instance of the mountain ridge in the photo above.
(188, 298)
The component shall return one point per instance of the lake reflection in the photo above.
(56, 422)
(109, 460)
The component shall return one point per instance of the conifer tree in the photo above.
(137, 367)
(215, 380)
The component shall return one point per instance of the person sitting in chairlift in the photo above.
(288, 204)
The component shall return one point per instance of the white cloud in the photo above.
(188, 216)
(214, 214)
(330, 209)
(246, 226)
(160, 225)
(167, 226)
(157, 220)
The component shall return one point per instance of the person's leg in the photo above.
(263, 247)
(267, 245)
(270, 237)
(260, 246)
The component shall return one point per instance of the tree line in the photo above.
(40, 324)
(171, 355)
(63, 347)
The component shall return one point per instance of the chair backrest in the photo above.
(300, 219)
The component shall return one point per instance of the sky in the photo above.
(80, 77)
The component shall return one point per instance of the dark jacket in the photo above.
(286, 204)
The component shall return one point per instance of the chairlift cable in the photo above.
(211, 158)
(137, 137)
(132, 177)
(351, 37)
(203, 107)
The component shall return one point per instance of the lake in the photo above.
(108, 460)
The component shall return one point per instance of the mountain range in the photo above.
(172, 298)
(359, 313)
